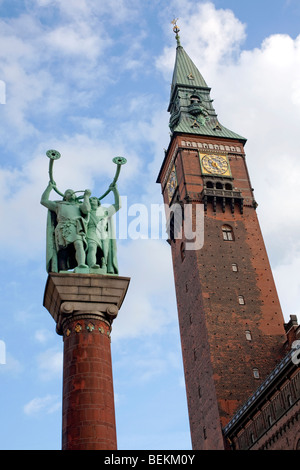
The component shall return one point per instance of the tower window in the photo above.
(256, 373)
(227, 233)
(228, 186)
(235, 267)
(195, 99)
(209, 184)
(219, 185)
(248, 335)
(241, 300)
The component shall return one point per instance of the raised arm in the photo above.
(51, 205)
(117, 205)
(86, 206)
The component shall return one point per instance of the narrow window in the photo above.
(227, 233)
(256, 373)
(204, 433)
(235, 267)
(248, 335)
(241, 300)
(182, 251)
(269, 420)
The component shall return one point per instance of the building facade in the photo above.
(270, 418)
(231, 324)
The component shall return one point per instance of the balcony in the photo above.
(223, 197)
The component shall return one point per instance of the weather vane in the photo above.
(176, 30)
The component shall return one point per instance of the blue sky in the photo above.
(92, 80)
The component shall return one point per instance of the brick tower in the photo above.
(230, 319)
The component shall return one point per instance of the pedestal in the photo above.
(84, 307)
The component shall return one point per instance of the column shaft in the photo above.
(88, 395)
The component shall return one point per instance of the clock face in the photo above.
(172, 184)
(215, 164)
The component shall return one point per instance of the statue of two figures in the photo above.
(80, 232)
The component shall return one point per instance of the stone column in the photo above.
(84, 307)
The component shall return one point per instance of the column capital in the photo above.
(72, 295)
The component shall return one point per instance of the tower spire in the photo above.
(191, 109)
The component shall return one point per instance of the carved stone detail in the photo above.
(90, 296)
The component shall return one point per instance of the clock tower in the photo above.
(230, 319)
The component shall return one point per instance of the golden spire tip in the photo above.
(176, 30)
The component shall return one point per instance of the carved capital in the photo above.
(70, 296)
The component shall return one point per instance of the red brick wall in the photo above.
(88, 397)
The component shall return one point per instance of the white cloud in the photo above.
(288, 286)
(150, 302)
(76, 41)
(48, 404)
(50, 364)
(42, 335)
(10, 365)
(217, 36)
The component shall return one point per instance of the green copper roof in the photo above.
(191, 109)
(211, 127)
(185, 71)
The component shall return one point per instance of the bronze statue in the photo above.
(80, 233)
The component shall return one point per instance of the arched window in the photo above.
(209, 184)
(195, 99)
(227, 233)
(228, 186)
(219, 185)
